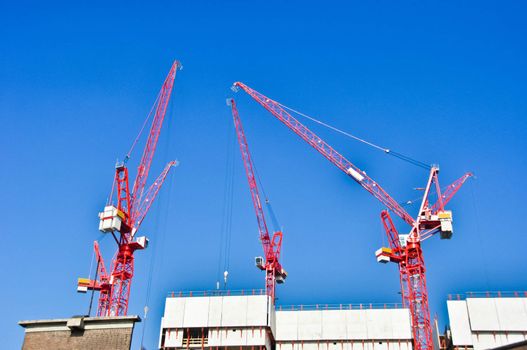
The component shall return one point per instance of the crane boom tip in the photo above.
(235, 86)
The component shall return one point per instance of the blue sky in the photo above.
(444, 83)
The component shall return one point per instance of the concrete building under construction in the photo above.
(250, 322)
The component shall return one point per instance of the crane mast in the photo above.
(404, 250)
(124, 219)
(274, 273)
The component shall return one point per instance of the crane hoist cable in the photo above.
(356, 138)
(152, 263)
(160, 224)
(228, 194)
(122, 218)
(408, 256)
(274, 220)
(478, 232)
(128, 155)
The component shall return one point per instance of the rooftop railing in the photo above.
(216, 293)
(243, 292)
(314, 307)
(488, 294)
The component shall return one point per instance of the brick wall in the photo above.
(96, 339)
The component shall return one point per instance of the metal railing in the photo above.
(193, 342)
(215, 293)
(360, 306)
(488, 294)
(242, 292)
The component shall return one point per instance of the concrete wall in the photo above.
(246, 321)
(216, 311)
(343, 330)
(230, 320)
(320, 325)
(346, 345)
(459, 323)
(485, 323)
(256, 336)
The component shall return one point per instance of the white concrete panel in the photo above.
(311, 346)
(234, 337)
(334, 324)
(511, 338)
(366, 345)
(485, 341)
(286, 325)
(272, 315)
(346, 345)
(256, 336)
(174, 312)
(196, 312)
(257, 310)
(215, 308)
(401, 324)
(310, 325)
(334, 345)
(380, 345)
(286, 346)
(459, 322)
(356, 324)
(173, 338)
(402, 346)
(214, 337)
(379, 324)
(512, 314)
(234, 311)
(501, 339)
(482, 314)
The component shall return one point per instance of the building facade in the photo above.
(487, 320)
(250, 322)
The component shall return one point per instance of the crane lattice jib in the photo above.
(151, 194)
(151, 143)
(327, 151)
(449, 192)
(101, 269)
(249, 170)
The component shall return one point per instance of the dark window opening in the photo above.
(195, 337)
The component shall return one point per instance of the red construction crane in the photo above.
(405, 249)
(274, 273)
(124, 219)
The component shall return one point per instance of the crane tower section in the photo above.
(272, 246)
(123, 217)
